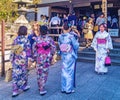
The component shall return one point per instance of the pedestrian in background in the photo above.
(55, 22)
(89, 33)
(43, 51)
(102, 43)
(101, 19)
(114, 24)
(68, 46)
(19, 57)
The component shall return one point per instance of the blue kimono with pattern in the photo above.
(19, 58)
(69, 57)
(32, 38)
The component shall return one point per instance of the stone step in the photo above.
(88, 55)
(115, 44)
(113, 51)
(92, 60)
(92, 54)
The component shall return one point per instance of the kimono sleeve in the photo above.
(109, 42)
(59, 43)
(34, 50)
(53, 46)
(12, 54)
(94, 43)
(75, 43)
(28, 49)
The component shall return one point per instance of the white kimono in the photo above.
(101, 43)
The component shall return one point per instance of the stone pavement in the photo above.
(89, 85)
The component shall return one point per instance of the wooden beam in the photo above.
(3, 48)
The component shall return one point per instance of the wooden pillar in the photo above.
(70, 6)
(3, 48)
(104, 7)
(36, 11)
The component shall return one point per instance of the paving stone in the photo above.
(89, 85)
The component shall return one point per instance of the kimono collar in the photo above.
(103, 34)
(21, 36)
(64, 34)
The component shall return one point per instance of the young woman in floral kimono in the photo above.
(43, 51)
(68, 49)
(101, 43)
(19, 59)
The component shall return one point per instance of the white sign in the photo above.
(113, 32)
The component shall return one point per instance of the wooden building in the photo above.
(80, 6)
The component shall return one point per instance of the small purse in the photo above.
(8, 76)
(108, 61)
(95, 28)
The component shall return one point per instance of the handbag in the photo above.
(95, 28)
(8, 76)
(108, 61)
(85, 30)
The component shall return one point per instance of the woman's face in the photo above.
(35, 26)
(102, 28)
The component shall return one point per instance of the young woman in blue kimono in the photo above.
(19, 58)
(101, 43)
(33, 35)
(68, 49)
(43, 51)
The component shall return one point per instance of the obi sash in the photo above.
(101, 41)
(65, 47)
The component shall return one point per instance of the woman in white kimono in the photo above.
(68, 50)
(101, 43)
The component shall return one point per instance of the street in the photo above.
(89, 85)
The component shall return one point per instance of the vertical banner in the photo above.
(104, 7)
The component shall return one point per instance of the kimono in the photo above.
(43, 57)
(68, 49)
(19, 58)
(32, 37)
(101, 43)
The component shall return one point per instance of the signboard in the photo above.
(114, 32)
(104, 7)
(96, 6)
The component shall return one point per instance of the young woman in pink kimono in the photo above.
(43, 51)
(101, 43)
